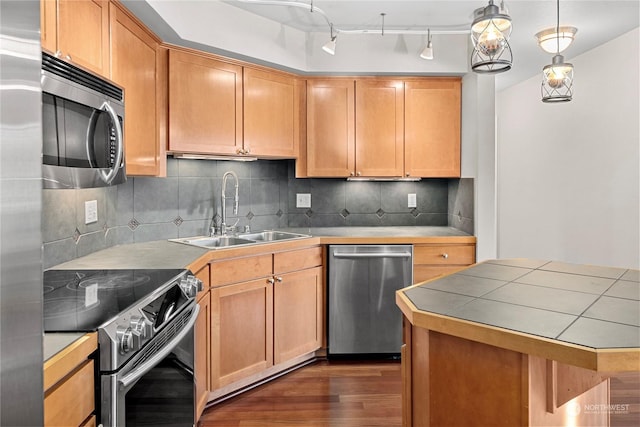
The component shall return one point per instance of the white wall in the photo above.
(568, 174)
(479, 157)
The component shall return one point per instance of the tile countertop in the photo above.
(383, 232)
(166, 254)
(583, 305)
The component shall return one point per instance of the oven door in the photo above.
(155, 387)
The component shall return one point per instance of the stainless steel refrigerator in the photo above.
(21, 394)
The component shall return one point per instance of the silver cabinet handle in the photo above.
(278, 279)
(373, 255)
(145, 367)
(445, 255)
(271, 280)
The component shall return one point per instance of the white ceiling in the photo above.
(597, 22)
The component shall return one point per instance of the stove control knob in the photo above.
(191, 285)
(141, 329)
(125, 339)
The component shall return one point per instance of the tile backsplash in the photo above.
(187, 201)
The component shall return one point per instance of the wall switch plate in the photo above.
(303, 200)
(90, 211)
(413, 202)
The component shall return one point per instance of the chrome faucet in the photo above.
(236, 200)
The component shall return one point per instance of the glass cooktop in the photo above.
(83, 300)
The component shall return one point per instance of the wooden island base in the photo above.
(451, 381)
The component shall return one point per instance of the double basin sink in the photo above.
(220, 242)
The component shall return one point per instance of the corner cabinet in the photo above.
(405, 127)
(77, 32)
(136, 66)
(265, 310)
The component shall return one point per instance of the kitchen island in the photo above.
(518, 342)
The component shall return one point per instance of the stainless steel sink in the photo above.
(220, 242)
(270, 236)
(214, 242)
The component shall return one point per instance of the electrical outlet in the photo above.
(412, 200)
(90, 211)
(303, 200)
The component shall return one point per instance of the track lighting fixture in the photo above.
(427, 53)
(557, 78)
(330, 46)
(490, 32)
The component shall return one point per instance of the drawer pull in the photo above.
(445, 255)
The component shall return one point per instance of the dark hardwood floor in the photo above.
(340, 394)
(357, 394)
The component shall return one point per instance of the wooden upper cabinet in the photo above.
(134, 66)
(78, 32)
(330, 128)
(205, 104)
(271, 105)
(432, 127)
(379, 128)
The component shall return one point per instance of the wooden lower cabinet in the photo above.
(259, 323)
(202, 344)
(297, 306)
(241, 331)
(433, 260)
(69, 394)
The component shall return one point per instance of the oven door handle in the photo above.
(145, 367)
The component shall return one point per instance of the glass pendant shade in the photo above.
(555, 40)
(490, 33)
(557, 81)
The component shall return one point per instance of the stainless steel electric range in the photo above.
(144, 320)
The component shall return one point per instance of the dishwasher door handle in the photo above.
(373, 255)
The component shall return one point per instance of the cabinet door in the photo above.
(83, 33)
(241, 331)
(270, 114)
(330, 128)
(297, 314)
(205, 104)
(202, 344)
(379, 128)
(432, 127)
(49, 25)
(133, 66)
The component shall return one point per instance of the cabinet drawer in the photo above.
(241, 269)
(297, 260)
(71, 401)
(444, 254)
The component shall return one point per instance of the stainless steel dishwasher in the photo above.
(363, 316)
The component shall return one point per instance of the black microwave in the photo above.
(82, 127)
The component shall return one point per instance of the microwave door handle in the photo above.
(108, 177)
(146, 366)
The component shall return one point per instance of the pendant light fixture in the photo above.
(490, 32)
(557, 77)
(553, 40)
(427, 53)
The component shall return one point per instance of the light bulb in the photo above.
(492, 35)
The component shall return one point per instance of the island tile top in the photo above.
(591, 306)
